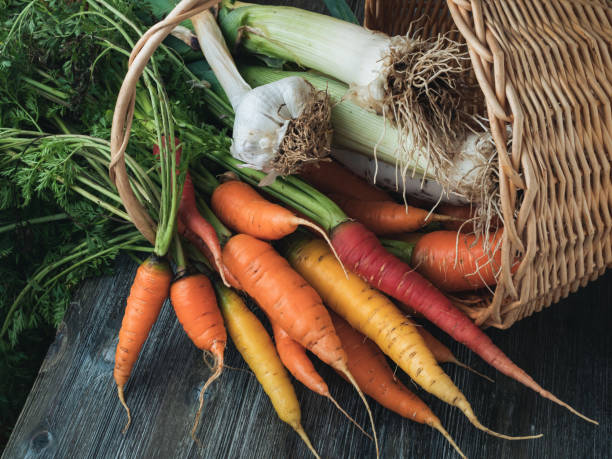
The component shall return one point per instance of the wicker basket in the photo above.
(545, 68)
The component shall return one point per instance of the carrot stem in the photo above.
(179, 255)
(33, 221)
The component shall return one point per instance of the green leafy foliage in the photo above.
(61, 64)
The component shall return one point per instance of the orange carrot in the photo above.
(293, 355)
(147, 295)
(372, 372)
(333, 177)
(444, 354)
(386, 217)
(195, 305)
(244, 210)
(457, 262)
(288, 300)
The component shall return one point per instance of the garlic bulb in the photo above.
(278, 127)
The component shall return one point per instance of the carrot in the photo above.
(444, 354)
(386, 217)
(195, 305)
(255, 346)
(457, 262)
(333, 177)
(288, 300)
(374, 376)
(189, 215)
(465, 218)
(241, 208)
(362, 253)
(453, 261)
(373, 315)
(149, 291)
(293, 355)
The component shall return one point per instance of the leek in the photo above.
(418, 84)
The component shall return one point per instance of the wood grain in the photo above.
(73, 411)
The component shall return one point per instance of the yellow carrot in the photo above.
(258, 351)
(373, 315)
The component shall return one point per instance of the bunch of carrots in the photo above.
(323, 289)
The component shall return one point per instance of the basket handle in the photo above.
(124, 108)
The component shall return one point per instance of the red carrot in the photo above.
(188, 213)
(362, 253)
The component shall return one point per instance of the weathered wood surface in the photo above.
(73, 410)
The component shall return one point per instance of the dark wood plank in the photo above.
(73, 410)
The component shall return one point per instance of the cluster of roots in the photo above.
(427, 93)
(308, 137)
(431, 97)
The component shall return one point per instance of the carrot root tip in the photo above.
(478, 425)
(301, 221)
(350, 377)
(442, 430)
(300, 431)
(553, 398)
(468, 368)
(127, 409)
(337, 405)
(221, 272)
(217, 372)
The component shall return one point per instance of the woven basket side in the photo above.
(555, 56)
(544, 69)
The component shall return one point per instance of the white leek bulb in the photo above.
(469, 173)
(278, 126)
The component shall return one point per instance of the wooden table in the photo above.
(73, 409)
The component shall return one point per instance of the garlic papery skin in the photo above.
(278, 126)
(262, 119)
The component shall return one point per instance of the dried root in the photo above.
(426, 94)
(308, 137)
